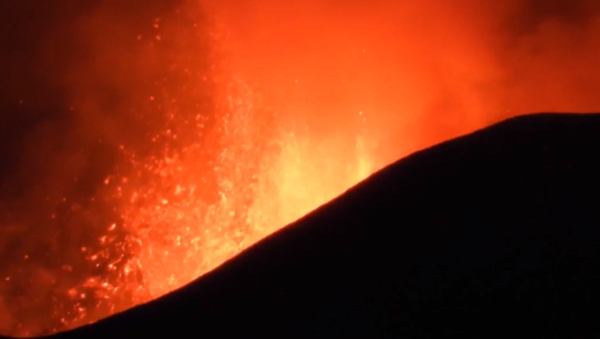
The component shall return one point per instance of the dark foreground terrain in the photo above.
(494, 234)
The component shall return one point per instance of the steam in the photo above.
(83, 81)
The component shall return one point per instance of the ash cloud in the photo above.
(550, 60)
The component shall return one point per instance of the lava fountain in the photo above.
(207, 183)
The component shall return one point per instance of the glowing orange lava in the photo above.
(264, 180)
(184, 211)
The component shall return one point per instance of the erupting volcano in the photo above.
(160, 140)
(210, 181)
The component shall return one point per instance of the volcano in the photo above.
(486, 235)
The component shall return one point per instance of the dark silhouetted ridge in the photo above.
(493, 234)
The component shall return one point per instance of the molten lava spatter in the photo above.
(255, 171)
(212, 184)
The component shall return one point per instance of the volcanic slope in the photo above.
(491, 234)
